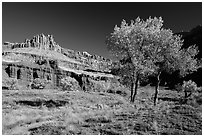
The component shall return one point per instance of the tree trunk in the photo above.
(157, 88)
(136, 86)
(186, 96)
(132, 87)
(132, 91)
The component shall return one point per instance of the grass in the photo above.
(45, 112)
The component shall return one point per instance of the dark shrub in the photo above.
(189, 87)
(39, 83)
(10, 83)
(190, 90)
(69, 83)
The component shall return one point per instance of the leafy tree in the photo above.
(128, 43)
(145, 48)
(168, 56)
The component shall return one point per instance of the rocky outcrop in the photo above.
(40, 41)
(28, 72)
(43, 42)
(41, 57)
(95, 62)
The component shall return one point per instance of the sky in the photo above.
(85, 26)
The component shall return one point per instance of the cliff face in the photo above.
(40, 41)
(41, 57)
(48, 47)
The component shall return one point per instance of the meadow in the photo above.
(55, 112)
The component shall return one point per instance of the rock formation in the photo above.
(41, 57)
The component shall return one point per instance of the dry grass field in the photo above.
(46, 112)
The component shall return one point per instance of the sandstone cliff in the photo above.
(41, 57)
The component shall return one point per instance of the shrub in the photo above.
(69, 83)
(39, 83)
(97, 86)
(199, 89)
(117, 88)
(196, 99)
(110, 86)
(10, 83)
(107, 85)
(188, 88)
(178, 87)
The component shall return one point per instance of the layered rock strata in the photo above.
(41, 57)
(47, 43)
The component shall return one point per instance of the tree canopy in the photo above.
(147, 48)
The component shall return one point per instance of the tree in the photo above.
(148, 48)
(167, 55)
(127, 44)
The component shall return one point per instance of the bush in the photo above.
(196, 99)
(10, 83)
(199, 89)
(117, 88)
(69, 83)
(107, 86)
(188, 88)
(97, 86)
(39, 83)
(178, 87)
